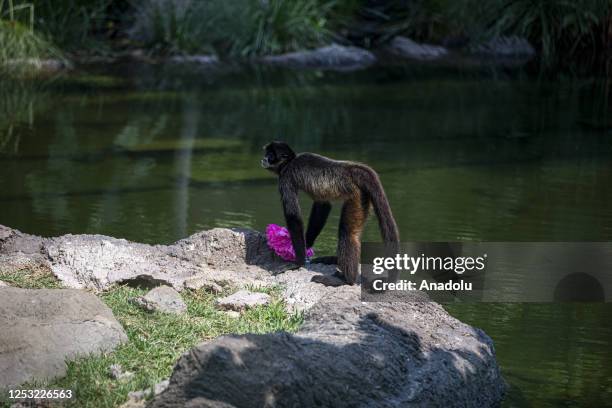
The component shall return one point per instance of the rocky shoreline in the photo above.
(513, 51)
(347, 353)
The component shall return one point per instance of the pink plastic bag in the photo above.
(279, 240)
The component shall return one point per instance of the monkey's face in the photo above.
(276, 154)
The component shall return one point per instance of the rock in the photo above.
(195, 59)
(160, 387)
(406, 48)
(6, 233)
(43, 328)
(46, 65)
(505, 47)
(333, 57)
(162, 299)
(137, 399)
(137, 396)
(210, 259)
(13, 241)
(243, 299)
(32, 264)
(132, 403)
(225, 248)
(97, 262)
(155, 390)
(232, 314)
(384, 354)
(217, 257)
(202, 282)
(4, 284)
(116, 372)
(299, 292)
(348, 353)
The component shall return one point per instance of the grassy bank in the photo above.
(156, 340)
(563, 32)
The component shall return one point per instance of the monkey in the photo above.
(326, 180)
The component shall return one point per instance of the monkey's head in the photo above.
(276, 155)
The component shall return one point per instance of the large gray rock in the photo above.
(333, 57)
(97, 262)
(42, 328)
(406, 48)
(220, 256)
(348, 353)
(15, 242)
(224, 248)
(209, 259)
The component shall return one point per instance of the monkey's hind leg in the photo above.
(352, 221)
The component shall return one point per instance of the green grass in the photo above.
(18, 42)
(20, 45)
(32, 278)
(157, 340)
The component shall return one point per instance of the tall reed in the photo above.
(18, 40)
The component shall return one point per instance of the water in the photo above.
(154, 154)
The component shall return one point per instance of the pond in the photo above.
(155, 153)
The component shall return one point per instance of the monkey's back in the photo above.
(321, 177)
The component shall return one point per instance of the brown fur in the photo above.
(324, 180)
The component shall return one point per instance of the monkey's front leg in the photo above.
(293, 218)
(318, 217)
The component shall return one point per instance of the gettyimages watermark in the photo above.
(487, 271)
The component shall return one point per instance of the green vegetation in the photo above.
(563, 31)
(30, 278)
(234, 27)
(155, 340)
(75, 25)
(18, 41)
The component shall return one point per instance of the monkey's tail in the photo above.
(370, 184)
